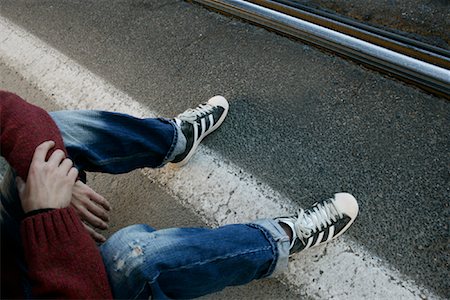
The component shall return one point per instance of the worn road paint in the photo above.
(219, 191)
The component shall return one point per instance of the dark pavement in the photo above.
(305, 122)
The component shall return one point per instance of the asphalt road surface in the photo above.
(305, 122)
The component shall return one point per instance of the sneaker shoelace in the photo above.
(317, 218)
(192, 114)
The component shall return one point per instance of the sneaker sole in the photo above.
(215, 101)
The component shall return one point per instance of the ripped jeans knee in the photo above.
(187, 262)
(124, 257)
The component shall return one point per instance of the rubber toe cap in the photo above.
(347, 204)
(219, 101)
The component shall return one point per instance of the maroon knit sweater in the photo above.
(62, 259)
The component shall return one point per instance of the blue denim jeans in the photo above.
(115, 143)
(169, 263)
(185, 263)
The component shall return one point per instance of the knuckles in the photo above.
(59, 152)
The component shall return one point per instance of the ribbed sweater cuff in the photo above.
(56, 225)
(62, 259)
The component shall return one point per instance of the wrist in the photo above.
(33, 206)
(37, 211)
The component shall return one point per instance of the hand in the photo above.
(49, 183)
(92, 208)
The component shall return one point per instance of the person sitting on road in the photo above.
(61, 261)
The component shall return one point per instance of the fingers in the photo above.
(98, 211)
(92, 207)
(65, 165)
(94, 234)
(56, 158)
(73, 174)
(41, 151)
(99, 199)
(92, 219)
(66, 168)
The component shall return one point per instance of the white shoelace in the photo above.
(319, 217)
(192, 114)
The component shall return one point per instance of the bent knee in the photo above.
(125, 258)
(122, 238)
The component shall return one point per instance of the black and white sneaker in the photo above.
(197, 123)
(321, 223)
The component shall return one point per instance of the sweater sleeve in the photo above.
(24, 127)
(62, 259)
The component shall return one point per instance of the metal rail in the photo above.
(371, 34)
(433, 76)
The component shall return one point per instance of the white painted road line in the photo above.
(219, 191)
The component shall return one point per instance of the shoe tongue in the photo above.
(177, 121)
(307, 221)
(294, 233)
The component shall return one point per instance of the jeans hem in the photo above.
(274, 248)
(277, 236)
(173, 151)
